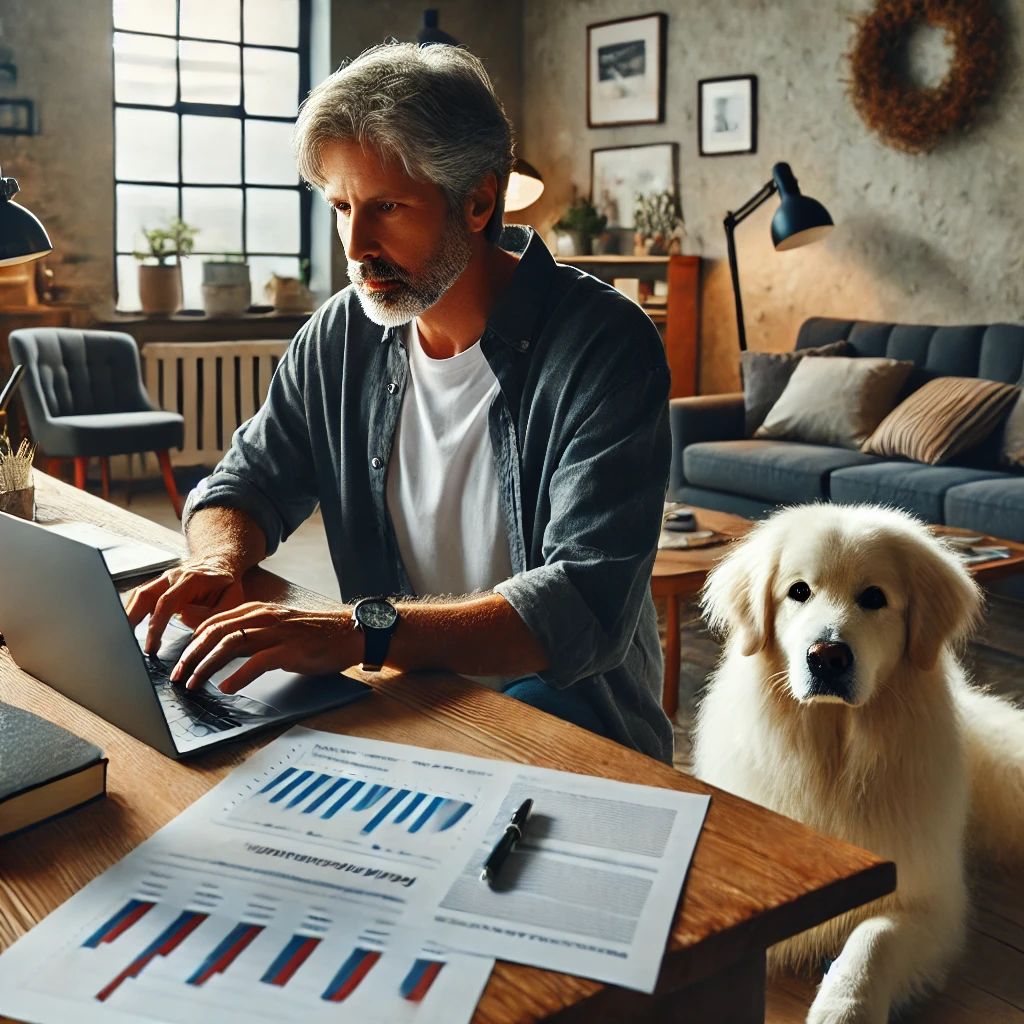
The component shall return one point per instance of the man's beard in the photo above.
(412, 294)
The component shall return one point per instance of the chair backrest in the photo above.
(72, 372)
(992, 351)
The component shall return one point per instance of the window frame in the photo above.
(234, 112)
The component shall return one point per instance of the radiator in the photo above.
(216, 386)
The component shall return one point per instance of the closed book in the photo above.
(44, 770)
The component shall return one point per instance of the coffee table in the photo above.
(680, 573)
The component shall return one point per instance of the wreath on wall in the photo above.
(907, 116)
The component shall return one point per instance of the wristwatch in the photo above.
(378, 618)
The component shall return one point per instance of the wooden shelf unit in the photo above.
(678, 320)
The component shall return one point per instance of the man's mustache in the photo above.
(377, 270)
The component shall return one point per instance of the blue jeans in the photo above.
(565, 704)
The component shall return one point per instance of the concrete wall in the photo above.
(930, 238)
(492, 31)
(66, 172)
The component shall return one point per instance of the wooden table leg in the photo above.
(734, 995)
(670, 691)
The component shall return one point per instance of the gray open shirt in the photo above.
(579, 430)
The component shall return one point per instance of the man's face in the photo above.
(404, 248)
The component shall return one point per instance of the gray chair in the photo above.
(84, 398)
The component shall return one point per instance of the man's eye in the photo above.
(388, 207)
(800, 591)
(872, 599)
(341, 207)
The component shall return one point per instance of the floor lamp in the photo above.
(799, 220)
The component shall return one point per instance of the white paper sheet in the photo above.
(124, 557)
(363, 846)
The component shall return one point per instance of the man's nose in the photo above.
(361, 243)
(827, 661)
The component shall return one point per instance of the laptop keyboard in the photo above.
(196, 713)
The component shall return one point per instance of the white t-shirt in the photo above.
(442, 488)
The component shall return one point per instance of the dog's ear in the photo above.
(943, 602)
(737, 597)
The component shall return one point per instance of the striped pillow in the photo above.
(942, 419)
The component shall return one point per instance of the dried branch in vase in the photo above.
(15, 464)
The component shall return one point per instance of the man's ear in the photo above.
(943, 602)
(737, 597)
(481, 203)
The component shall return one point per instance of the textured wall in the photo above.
(493, 31)
(930, 238)
(66, 171)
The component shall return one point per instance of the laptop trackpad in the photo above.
(288, 692)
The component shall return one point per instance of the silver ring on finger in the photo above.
(242, 633)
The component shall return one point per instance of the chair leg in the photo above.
(54, 467)
(105, 476)
(81, 471)
(172, 489)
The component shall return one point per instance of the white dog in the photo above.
(839, 702)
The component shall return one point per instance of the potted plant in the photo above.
(657, 223)
(160, 282)
(583, 225)
(227, 290)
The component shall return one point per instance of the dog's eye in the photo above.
(872, 599)
(800, 591)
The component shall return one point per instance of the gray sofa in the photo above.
(715, 466)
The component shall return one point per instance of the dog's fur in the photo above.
(911, 762)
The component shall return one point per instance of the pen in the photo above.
(503, 847)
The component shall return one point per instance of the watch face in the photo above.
(377, 614)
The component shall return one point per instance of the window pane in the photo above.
(268, 153)
(260, 269)
(275, 22)
(192, 282)
(146, 145)
(272, 220)
(211, 149)
(217, 213)
(128, 283)
(145, 16)
(210, 19)
(143, 206)
(209, 73)
(145, 70)
(271, 82)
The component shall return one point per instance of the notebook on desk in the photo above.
(64, 623)
(124, 557)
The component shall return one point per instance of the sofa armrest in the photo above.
(702, 418)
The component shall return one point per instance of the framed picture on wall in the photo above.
(727, 115)
(618, 174)
(626, 71)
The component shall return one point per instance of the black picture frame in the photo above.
(750, 145)
(672, 185)
(659, 65)
(17, 117)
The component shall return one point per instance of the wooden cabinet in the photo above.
(678, 320)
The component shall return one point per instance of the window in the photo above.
(205, 96)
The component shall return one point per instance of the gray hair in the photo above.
(433, 108)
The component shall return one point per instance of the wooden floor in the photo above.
(987, 985)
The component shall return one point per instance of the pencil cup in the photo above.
(19, 503)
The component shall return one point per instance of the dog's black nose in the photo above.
(827, 661)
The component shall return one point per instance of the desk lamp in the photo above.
(525, 186)
(799, 220)
(22, 237)
(431, 32)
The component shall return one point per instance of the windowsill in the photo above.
(246, 327)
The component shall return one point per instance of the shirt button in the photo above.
(392, 388)
(376, 463)
(524, 345)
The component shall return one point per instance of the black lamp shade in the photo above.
(432, 32)
(799, 220)
(22, 237)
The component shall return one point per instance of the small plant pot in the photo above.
(19, 503)
(571, 243)
(600, 245)
(160, 290)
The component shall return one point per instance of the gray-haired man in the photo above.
(471, 418)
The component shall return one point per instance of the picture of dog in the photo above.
(839, 701)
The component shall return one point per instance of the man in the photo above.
(473, 420)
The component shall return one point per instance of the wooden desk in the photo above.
(756, 877)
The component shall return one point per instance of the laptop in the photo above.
(63, 621)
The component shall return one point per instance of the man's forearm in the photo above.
(228, 536)
(476, 636)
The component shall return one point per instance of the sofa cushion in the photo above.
(781, 471)
(914, 487)
(995, 507)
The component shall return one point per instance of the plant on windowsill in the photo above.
(227, 290)
(160, 282)
(584, 226)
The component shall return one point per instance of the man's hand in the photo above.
(199, 587)
(270, 636)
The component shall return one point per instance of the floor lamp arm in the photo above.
(731, 220)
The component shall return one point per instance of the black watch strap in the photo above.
(375, 653)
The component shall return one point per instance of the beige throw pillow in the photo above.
(1012, 451)
(835, 401)
(945, 417)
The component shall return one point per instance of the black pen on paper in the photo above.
(503, 847)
